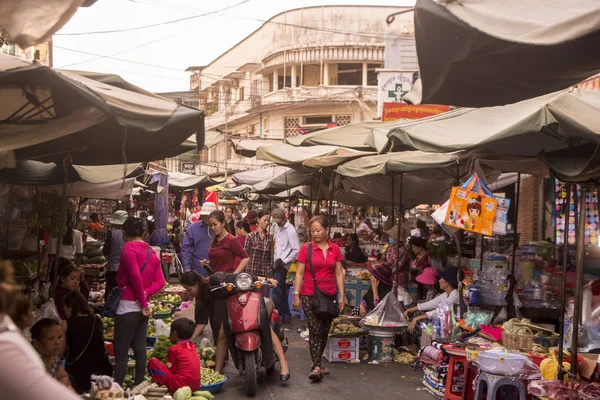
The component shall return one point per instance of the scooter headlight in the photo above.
(244, 282)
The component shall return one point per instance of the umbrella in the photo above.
(488, 52)
(50, 113)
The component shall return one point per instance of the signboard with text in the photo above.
(188, 168)
(396, 111)
(393, 86)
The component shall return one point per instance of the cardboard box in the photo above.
(342, 349)
(588, 365)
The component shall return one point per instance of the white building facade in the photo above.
(303, 68)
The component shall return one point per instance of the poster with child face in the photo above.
(471, 211)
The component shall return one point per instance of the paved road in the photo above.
(346, 381)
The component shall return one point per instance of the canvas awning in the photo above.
(288, 180)
(186, 181)
(287, 155)
(114, 190)
(341, 156)
(367, 136)
(541, 125)
(27, 22)
(488, 52)
(49, 113)
(256, 176)
(248, 147)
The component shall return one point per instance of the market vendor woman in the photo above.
(449, 285)
(381, 284)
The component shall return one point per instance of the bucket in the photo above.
(381, 346)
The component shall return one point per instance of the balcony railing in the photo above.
(320, 94)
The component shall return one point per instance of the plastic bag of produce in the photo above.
(389, 312)
(404, 297)
(162, 329)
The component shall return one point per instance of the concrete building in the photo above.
(41, 52)
(302, 68)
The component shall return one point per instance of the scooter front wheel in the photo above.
(250, 373)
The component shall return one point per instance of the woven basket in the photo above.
(513, 341)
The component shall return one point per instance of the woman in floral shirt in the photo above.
(259, 246)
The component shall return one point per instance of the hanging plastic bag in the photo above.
(388, 313)
(586, 304)
(47, 310)
(162, 329)
(404, 297)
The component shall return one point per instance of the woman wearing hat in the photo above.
(449, 284)
(396, 256)
(427, 279)
(419, 249)
(381, 284)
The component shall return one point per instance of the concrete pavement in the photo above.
(346, 381)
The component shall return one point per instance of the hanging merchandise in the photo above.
(471, 209)
(564, 215)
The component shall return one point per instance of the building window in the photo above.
(241, 93)
(372, 75)
(318, 120)
(204, 156)
(290, 126)
(343, 120)
(350, 74)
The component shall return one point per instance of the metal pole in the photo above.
(563, 297)
(578, 278)
(516, 225)
(553, 215)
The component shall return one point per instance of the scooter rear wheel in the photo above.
(250, 373)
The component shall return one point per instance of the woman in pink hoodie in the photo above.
(141, 276)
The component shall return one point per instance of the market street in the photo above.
(363, 380)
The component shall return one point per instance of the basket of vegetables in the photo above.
(212, 381)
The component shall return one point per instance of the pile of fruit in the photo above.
(161, 349)
(169, 298)
(342, 325)
(161, 307)
(364, 275)
(109, 327)
(92, 253)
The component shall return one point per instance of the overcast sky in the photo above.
(163, 52)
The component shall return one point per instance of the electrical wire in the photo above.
(156, 24)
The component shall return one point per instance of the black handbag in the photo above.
(114, 297)
(324, 306)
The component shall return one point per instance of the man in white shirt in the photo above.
(287, 245)
(449, 284)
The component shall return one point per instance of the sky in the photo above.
(155, 58)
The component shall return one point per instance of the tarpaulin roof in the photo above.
(184, 181)
(27, 22)
(285, 154)
(341, 156)
(287, 180)
(35, 173)
(256, 176)
(248, 147)
(489, 52)
(369, 135)
(49, 113)
(542, 124)
(114, 190)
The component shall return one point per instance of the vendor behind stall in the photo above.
(449, 284)
(355, 257)
(381, 284)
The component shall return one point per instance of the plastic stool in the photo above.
(495, 382)
(291, 301)
(470, 376)
(449, 394)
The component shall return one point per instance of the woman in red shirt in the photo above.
(327, 264)
(222, 254)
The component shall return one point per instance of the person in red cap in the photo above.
(183, 366)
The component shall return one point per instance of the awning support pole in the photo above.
(563, 296)
(578, 278)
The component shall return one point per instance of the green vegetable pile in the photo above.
(161, 349)
(207, 355)
(210, 377)
(185, 393)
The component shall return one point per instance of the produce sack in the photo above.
(162, 329)
(471, 208)
(388, 313)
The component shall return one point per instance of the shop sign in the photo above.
(188, 168)
(393, 86)
(396, 111)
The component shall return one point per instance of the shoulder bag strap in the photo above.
(147, 259)
(312, 271)
(87, 345)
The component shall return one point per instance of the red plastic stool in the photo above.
(458, 361)
(470, 375)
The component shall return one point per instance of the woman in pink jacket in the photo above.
(141, 276)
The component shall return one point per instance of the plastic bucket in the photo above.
(381, 346)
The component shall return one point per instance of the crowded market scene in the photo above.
(393, 200)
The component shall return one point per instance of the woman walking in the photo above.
(141, 276)
(325, 259)
(259, 246)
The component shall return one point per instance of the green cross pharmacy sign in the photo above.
(398, 92)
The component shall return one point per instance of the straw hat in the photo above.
(394, 232)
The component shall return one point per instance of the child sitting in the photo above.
(183, 367)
